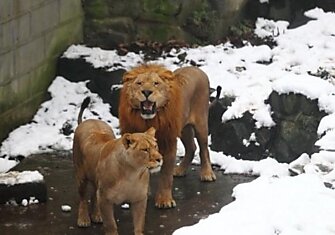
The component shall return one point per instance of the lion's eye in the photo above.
(156, 83)
(139, 83)
(146, 150)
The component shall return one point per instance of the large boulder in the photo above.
(296, 117)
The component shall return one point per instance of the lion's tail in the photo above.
(218, 92)
(84, 105)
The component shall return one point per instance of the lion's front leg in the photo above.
(164, 197)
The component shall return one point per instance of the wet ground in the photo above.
(195, 200)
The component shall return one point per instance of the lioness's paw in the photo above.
(208, 176)
(97, 219)
(83, 222)
(179, 172)
(165, 204)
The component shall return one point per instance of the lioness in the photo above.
(118, 169)
(176, 105)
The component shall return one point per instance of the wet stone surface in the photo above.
(195, 200)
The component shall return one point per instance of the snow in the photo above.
(32, 200)
(43, 134)
(274, 203)
(125, 206)
(66, 208)
(6, 164)
(16, 177)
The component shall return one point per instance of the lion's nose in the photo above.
(146, 93)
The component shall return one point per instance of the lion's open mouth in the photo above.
(148, 109)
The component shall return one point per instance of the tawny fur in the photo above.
(118, 170)
(182, 99)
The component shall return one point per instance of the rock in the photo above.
(297, 166)
(216, 109)
(109, 23)
(296, 117)
(239, 138)
(23, 187)
(101, 81)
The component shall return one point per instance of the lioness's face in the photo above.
(148, 93)
(142, 150)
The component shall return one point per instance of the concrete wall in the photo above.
(33, 33)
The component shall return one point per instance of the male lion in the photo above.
(176, 105)
(118, 169)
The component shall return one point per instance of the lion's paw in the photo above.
(179, 172)
(208, 176)
(165, 204)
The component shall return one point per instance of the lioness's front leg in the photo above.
(107, 213)
(138, 212)
(164, 197)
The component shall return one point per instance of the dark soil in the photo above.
(195, 200)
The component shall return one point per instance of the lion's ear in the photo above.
(151, 131)
(126, 140)
(166, 74)
(128, 76)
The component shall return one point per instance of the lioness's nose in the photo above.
(146, 93)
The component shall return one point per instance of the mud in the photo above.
(195, 200)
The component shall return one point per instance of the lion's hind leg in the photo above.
(187, 139)
(206, 172)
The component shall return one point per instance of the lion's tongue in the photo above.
(147, 105)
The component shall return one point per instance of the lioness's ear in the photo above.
(126, 140)
(151, 131)
(128, 76)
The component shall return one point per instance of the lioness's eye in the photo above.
(146, 150)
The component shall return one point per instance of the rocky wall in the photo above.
(111, 22)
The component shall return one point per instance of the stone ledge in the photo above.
(23, 191)
(17, 186)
